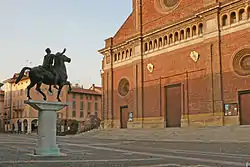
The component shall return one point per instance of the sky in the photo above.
(28, 27)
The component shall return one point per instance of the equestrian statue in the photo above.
(48, 73)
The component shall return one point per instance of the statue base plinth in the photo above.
(47, 151)
(46, 144)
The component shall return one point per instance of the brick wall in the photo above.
(206, 84)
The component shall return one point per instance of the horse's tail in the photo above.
(21, 74)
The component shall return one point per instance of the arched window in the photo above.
(155, 43)
(182, 35)
(241, 14)
(145, 47)
(119, 56)
(126, 53)
(187, 33)
(123, 54)
(115, 58)
(232, 18)
(150, 45)
(165, 40)
(160, 42)
(200, 29)
(170, 38)
(224, 20)
(176, 36)
(130, 53)
(194, 31)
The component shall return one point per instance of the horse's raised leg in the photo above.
(59, 92)
(38, 88)
(28, 89)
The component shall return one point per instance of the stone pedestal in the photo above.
(46, 144)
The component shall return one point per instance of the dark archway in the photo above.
(25, 126)
(34, 125)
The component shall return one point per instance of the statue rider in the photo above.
(48, 65)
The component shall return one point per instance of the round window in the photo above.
(123, 87)
(166, 6)
(241, 62)
(170, 3)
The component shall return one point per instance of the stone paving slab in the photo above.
(15, 151)
(209, 134)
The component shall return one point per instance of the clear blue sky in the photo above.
(81, 26)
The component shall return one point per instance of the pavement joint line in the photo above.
(106, 144)
(164, 156)
(34, 137)
(22, 137)
(167, 150)
(78, 161)
(204, 153)
(159, 165)
(176, 140)
(20, 149)
(29, 149)
(175, 165)
(192, 152)
(73, 151)
(16, 142)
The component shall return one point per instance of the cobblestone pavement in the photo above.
(16, 151)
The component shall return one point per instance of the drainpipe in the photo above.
(112, 85)
(142, 63)
(219, 52)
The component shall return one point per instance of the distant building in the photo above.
(84, 102)
(1, 110)
(81, 103)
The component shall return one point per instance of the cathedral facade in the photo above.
(178, 63)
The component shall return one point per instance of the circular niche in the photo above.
(166, 6)
(123, 87)
(241, 62)
(170, 3)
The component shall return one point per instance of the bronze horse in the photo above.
(39, 75)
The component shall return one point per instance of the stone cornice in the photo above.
(231, 5)
(187, 20)
(152, 32)
(102, 51)
(192, 41)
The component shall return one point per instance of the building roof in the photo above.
(95, 88)
(84, 91)
(98, 87)
(13, 79)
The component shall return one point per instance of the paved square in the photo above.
(16, 150)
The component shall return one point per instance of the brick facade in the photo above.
(152, 51)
